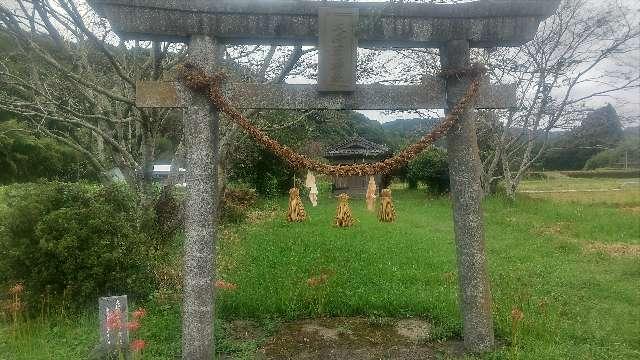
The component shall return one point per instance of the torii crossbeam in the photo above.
(484, 23)
(338, 28)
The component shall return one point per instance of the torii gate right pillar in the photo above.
(466, 194)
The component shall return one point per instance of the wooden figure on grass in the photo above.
(344, 218)
(371, 194)
(387, 212)
(296, 209)
(310, 182)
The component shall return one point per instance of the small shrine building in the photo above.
(356, 150)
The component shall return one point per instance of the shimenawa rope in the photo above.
(198, 81)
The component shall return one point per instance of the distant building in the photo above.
(356, 150)
(161, 172)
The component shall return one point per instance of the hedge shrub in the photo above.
(430, 168)
(75, 240)
(236, 203)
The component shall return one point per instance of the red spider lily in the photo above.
(140, 313)
(114, 320)
(133, 326)
(221, 284)
(318, 280)
(16, 289)
(137, 345)
(516, 315)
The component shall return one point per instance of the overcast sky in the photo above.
(627, 103)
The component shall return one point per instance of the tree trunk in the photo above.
(511, 188)
(148, 149)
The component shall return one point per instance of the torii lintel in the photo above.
(484, 23)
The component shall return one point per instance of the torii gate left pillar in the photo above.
(200, 126)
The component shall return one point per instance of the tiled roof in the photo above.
(357, 146)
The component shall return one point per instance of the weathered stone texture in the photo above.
(484, 24)
(338, 49)
(201, 140)
(428, 95)
(466, 193)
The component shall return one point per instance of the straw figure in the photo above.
(371, 194)
(296, 210)
(310, 182)
(387, 212)
(343, 212)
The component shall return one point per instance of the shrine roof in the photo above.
(357, 146)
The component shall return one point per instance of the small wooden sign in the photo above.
(155, 94)
(338, 49)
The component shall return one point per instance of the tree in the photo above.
(570, 50)
(430, 168)
(24, 157)
(626, 154)
(599, 130)
(66, 73)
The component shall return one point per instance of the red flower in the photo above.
(16, 289)
(516, 315)
(137, 345)
(221, 284)
(114, 320)
(140, 313)
(133, 326)
(318, 280)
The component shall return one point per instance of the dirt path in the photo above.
(355, 339)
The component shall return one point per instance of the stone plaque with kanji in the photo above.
(113, 314)
(338, 48)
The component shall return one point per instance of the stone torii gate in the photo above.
(338, 28)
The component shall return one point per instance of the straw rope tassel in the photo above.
(295, 212)
(387, 212)
(344, 218)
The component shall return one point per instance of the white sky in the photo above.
(626, 103)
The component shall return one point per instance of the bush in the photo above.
(430, 168)
(237, 201)
(25, 157)
(265, 172)
(74, 240)
(628, 151)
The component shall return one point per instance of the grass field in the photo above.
(559, 187)
(571, 267)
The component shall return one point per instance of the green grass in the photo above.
(559, 187)
(577, 304)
